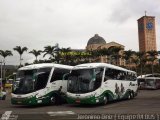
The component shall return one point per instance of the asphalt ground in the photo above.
(146, 106)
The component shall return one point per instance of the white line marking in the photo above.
(60, 113)
(6, 115)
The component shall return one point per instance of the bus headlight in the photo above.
(30, 96)
(37, 95)
(92, 95)
(96, 94)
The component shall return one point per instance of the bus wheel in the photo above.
(130, 95)
(105, 100)
(53, 100)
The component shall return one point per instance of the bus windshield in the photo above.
(28, 81)
(85, 80)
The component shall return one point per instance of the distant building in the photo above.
(147, 33)
(98, 42)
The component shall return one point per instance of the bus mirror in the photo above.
(66, 76)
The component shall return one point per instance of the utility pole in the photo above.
(1, 76)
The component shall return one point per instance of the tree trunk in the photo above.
(4, 75)
(152, 68)
(36, 60)
(20, 60)
(4, 70)
(141, 68)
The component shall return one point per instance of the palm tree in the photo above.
(4, 54)
(36, 53)
(127, 56)
(111, 56)
(50, 50)
(152, 57)
(135, 60)
(95, 54)
(116, 53)
(105, 52)
(20, 50)
(65, 54)
(84, 56)
(142, 59)
(88, 56)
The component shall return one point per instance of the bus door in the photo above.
(57, 79)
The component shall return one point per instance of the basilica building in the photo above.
(97, 42)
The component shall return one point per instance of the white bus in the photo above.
(94, 83)
(39, 84)
(149, 81)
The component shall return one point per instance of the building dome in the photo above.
(96, 40)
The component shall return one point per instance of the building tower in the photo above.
(147, 33)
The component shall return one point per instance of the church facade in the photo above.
(97, 42)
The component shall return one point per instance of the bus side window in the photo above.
(41, 80)
(134, 77)
(109, 74)
(98, 80)
(131, 76)
(121, 75)
(99, 73)
(58, 74)
(127, 76)
(66, 76)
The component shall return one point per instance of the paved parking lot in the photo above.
(147, 102)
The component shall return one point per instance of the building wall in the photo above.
(93, 46)
(104, 59)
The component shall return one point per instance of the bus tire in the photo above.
(132, 95)
(129, 95)
(53, 100)
(105, 100)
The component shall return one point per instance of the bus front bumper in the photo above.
(30, 101)
(24, 101)
(90, 100)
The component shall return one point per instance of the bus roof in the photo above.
(86, 65)
(36, 66)
(143, 76)
(149, 75)
(148, 78)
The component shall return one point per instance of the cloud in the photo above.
(71, 23)
(127, 9)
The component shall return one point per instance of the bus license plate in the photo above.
(78, 101)
(19, 102)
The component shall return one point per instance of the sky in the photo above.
(71, 23)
